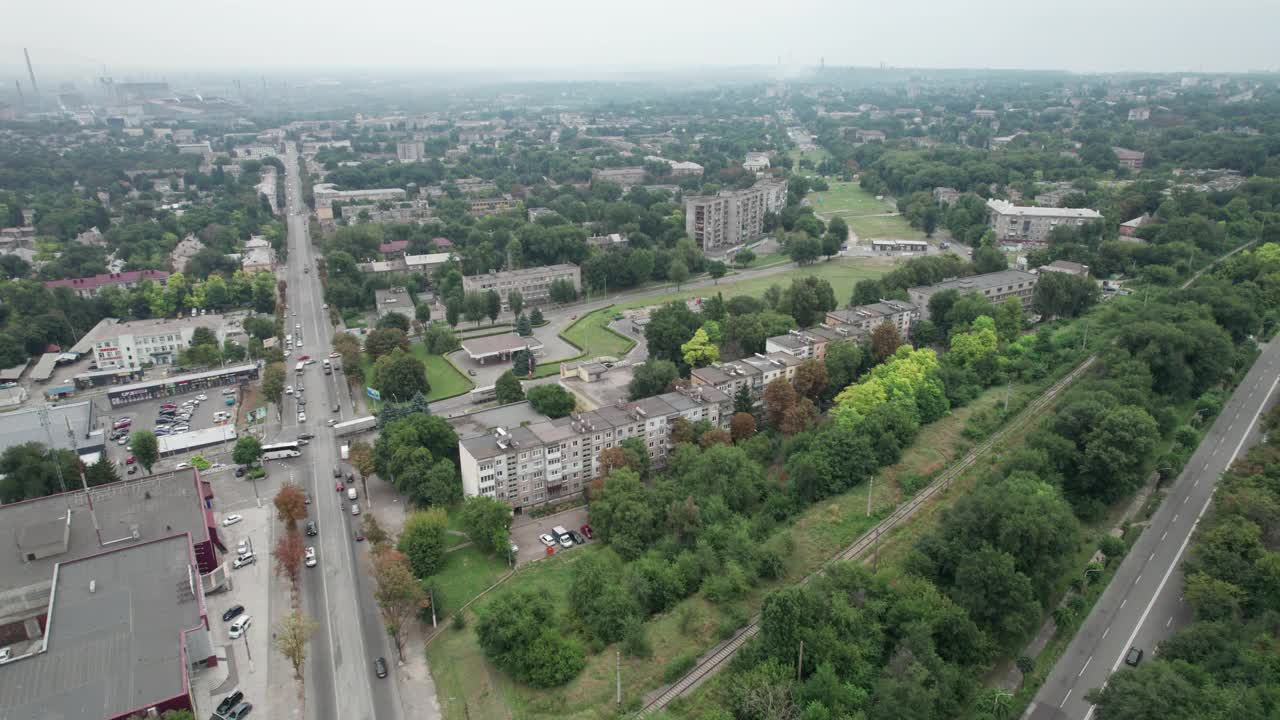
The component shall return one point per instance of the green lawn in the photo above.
(467, 572)
(775, 258)
(886, 228)
(446, 380)
(847, 198)
(592, 333)
(842, 273)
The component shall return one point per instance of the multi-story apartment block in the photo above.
(868, 317)
(533, 283)
(410, 151)
(1018, 223)
(624, 176)
(732, 217)
(804, 344)
(492, 205)
(326, 195)
(1131, 159)
(544, 462)
(754, 372)
(91, 286)
(996, 287)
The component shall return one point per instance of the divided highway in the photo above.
(1143, 603)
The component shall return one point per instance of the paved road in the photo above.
(1143, 604)
(340, 680)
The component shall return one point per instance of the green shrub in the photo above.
(679, 667)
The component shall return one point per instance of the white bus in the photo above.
(281, 451)
(484, 394)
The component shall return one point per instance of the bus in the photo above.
(281, 451)
(484, 394)
(302, 365)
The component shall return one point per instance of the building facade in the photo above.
(533, 283)
(996, 287)
(868, 317)
(120, 345)
(326, 195)
(410, 151)
(732, 217)
(545, 462)
(1016, 223)
(91, 286)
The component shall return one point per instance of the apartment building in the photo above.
(868, 317)
(533, 283)
(492, 205)
(1017, 223)
(90, 286)
(624, 176)
(1131, 159)
(326, 195)
(545, 462)
(732, 217)
(118, 345)
(996, 287)
(805, 344)
(410, 151)
(753, 372)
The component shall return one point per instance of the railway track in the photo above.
(716, 660)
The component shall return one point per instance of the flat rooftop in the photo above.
(482, 421)
(193, 439)
(145, 509)
(117, 647)
(1001, 279)
(482, 347)
(24, 426)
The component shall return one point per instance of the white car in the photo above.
(287, 353)
(247, 559)
(202, 397)
(230, 519)
(311, 361)
(288, 390)
(297, 326)
(123, 441)
(243, 548)
(228, 391)
(238, 627)
(302, 417)
(311, 556)
(547, 540)
(332, 422)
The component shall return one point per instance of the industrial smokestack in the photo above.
(22, 100)
(35, 89)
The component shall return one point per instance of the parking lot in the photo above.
(144, 414)
(525, 532)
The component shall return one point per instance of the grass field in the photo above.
(467, 572)
(591, 333)
(883, 228)
(445, 379)
(847, 198)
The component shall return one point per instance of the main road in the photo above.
(340, 680)
(1143, 604)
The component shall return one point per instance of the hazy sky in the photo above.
(158, 36)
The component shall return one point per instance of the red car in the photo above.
(168, 406)
(130, 460)
(359, 535)
(339, 487)
(304, 358)
(586, 532)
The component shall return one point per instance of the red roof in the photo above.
(441, 242)
(97, 281)
(395, 246)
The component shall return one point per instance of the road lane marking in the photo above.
(1086, 665)
(1122, 602)
(1064, 700)
(1167, 624)
(1175, 518)
(1104, 632)
(1185, 499)
(1197, 482)
(1151, 556)
(1135, 580)
(1165, 535)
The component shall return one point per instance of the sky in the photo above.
(145, 39)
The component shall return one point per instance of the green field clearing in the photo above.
(883, 228)
(591, 333)
(467, 572)
(847, 198)
(445, 379)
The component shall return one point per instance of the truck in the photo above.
(357, 425)
(345, 452)
(562, 535)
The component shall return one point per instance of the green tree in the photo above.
(396, 320)
(551, 400)
(885, 341)
(535, 317)
(247, 451)
(487, 522)
(492, 305)
(652, 377)
(717, 269)
(515, 299)
(522, 364)
(400, 375)
(678, 272)
(808, 300)
(989, 259)
(508, 388)
(523, 327)
(670, 326)
(422, 541)
(620, 513)
(145, 447)
(521, 633)
(699, 351)
(383, 340)
(743, 402)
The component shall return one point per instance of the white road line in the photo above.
(1064, 700)
(1086, 665)
(1165, 535)
(1104, 632)
(1170, 622)
(1197, 482)
(1122, 602)
(1151, 556)
(1135, 580)
(1185, 499)
(1175, 518)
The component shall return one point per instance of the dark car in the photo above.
(380, 667)
(306, 436)
(358, 534)
(577, 538)
(240, 471)
(231, 613)
(229, 702)
(311, 528)
(337, 472)
(1133, 657)
(586, 531)
(240, 711)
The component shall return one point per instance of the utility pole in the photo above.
(800, 663)
(618, 665)
(871, 487)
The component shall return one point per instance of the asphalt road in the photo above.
(1143, 604)
(340, 681)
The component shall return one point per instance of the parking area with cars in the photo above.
(171, 416)
(527, 533)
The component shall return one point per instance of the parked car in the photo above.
(232, 612)
(244, 560)
(202, 397)
(240, 711)
(130, 460)
(168, 406)
(230, 519)
(1133, 657)
(576, 538)
(306, 436)
(229, 702)
(302, 417)
(586, 532)
(133, 469)
(547, 540)
(337, 472)
(358, 534)
(311, 528)
(228, 391)
(240, 471)
(380, 667)
(311, 556)
(244, 548)
(288, 390)
(238, 627)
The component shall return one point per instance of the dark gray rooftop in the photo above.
(117, 647)
(24, 426)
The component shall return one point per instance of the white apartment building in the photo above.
(543, 462)
(129, 345)
(1018, 223)
(326, 195)
(732, 217)
(868, 317)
